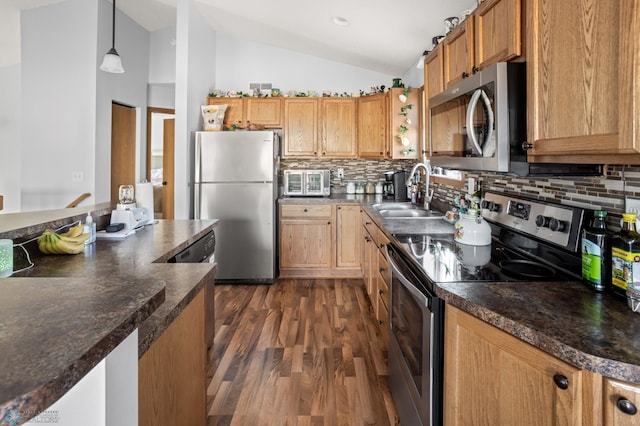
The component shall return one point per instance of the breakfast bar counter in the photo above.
(64, 315)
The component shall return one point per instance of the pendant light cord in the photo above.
(113, 26)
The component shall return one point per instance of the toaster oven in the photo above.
(305, 183)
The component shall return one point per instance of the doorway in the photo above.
(160, 159)
(123, 148)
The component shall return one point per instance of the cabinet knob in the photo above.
(382, 270)
(626, 406)
(329, 222)
(475, 70)
(381, 153)
(526, 146)
(367, 239)
(381, 292)
(339, 208)
(465, 74)
(381, 245)
(380, 322)
(315, 152)
(367, 223)
(561, 381)
(305, 210)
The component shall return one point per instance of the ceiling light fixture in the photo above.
(112, 62)
(342, 22)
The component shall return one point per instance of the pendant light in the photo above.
(112, 62)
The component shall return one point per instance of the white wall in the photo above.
(10, 145)
(58, 102)
(195, 70)
(129, 88)
(162, 56)
(240, 62)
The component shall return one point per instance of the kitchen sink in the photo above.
(410, 214)
(394, 206)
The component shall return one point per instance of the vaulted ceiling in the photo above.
(387, 36)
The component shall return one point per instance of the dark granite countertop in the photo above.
(589, 330)
(60, 318)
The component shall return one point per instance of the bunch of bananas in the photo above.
(70, 242)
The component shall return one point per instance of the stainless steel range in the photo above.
(531, 241)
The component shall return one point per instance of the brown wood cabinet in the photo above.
(172, 373)
(320, 240)
(372, 126)
(300, 133)
(242, 111)
(493, 33)
(264, 111)
(459, 53)
(376, 273)
(620, 400)
(493, 378)
(434, 73)
(348, 236)
(320, 127)
(306, 236)
(583, 81)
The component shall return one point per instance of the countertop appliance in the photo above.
(531, 240)
(395, 185)
(481, 124)
(307, 183)
(236, 181)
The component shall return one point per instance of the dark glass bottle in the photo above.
(596, 253)
(625, 256)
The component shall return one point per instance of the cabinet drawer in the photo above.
(306, 210)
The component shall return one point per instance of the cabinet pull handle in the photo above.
(626, 406)
(465, 74)
(381, 245)
(380, 292)
(382, 270)
(526, 146)
(475, 70)
(367, 223)
(380, 322)
(367, 239)
(561, 381)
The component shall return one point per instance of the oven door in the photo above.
(415, 344)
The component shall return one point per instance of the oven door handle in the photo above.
(405, 281)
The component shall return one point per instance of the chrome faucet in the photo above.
(428, 193)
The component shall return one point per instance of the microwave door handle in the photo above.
(471, 109)
(488, 146)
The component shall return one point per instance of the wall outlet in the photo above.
(340, 173)
(632, 205)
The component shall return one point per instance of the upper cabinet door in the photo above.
(300, 131)
(264, 111)
(498, 33)
(372, 126)
(582, 81)
(459, 53)
(234, 112)
(337, 120)
(434, 72)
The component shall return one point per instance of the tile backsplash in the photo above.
(606, 192)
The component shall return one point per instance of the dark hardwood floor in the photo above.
(297, 352)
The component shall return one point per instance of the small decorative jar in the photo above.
(351, 188)
(379, 188)
(370, 187)
(472, 229)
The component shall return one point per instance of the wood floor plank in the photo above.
(298, 352)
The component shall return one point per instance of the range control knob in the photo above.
(557, 225)
(491, 206)
(542, 221)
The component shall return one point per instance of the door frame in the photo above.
(150, 111)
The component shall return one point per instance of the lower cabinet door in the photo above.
(493, 378)
(306, 243)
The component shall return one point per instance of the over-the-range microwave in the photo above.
(307, 183)
(480, 124)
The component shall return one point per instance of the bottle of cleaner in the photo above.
(625, 256)
(90, 228)
(596, 259)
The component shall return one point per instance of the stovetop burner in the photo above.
(531, 241)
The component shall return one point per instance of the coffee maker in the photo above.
(395, 185)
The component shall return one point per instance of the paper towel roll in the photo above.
(144, 197)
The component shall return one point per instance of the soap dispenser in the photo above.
(90, 228)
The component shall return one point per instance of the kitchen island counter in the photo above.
(64, 315)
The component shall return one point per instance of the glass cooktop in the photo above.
(444, 260)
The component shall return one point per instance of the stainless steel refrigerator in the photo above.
(236, 181)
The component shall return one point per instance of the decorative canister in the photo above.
(379, 188)
(370, 187)
(472, 229)
(351, 188)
